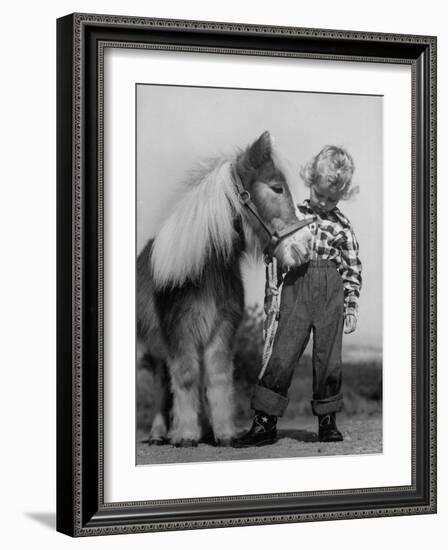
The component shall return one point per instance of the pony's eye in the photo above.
(277, 189)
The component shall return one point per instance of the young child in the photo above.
(320, 296)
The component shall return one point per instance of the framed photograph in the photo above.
(246, 274)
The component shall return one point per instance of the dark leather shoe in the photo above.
(328, 431)
(262, 432)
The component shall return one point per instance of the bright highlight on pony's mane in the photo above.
(201, 224)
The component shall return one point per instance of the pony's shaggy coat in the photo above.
(190, 296)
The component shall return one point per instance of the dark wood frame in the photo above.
(81, 510)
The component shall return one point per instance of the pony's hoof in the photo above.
(186, 443)
(156, 441)
(224, 442)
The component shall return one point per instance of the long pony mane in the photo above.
(201, 224)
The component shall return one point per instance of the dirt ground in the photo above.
(297, 437)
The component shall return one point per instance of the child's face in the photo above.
(323, 197)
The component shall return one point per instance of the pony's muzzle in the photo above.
(286, 233)
(295, 250)
(300, 253)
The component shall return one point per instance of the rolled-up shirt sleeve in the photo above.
(350, 270)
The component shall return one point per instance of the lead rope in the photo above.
(272, 297)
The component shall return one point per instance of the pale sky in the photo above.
(178, 126)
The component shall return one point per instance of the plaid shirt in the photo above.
(334, 239)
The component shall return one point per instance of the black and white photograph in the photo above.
(259, 265)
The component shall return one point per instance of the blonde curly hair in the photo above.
(334, 165)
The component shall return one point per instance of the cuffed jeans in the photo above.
(312, 300)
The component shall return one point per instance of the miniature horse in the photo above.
(190, 295)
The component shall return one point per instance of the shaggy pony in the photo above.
(190, 296)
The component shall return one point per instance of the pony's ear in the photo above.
(261, 150)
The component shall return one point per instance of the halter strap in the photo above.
(246, 200)
(274, 236)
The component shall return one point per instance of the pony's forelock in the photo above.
(201, 224)
(288, 169)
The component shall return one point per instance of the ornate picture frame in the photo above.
(81, 506)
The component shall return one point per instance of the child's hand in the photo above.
(350, 323)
